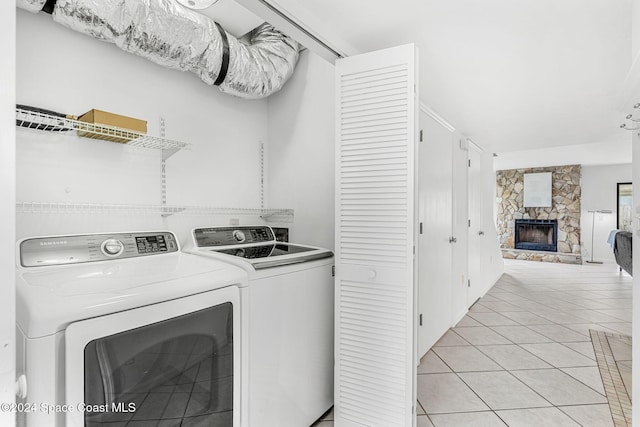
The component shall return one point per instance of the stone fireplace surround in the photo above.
(566, 194)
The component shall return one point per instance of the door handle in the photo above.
(452, 239)
(480, 233)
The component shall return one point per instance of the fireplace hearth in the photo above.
(536, 234)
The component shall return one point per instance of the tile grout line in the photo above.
(533, 296)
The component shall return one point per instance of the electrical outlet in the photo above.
(234, 221)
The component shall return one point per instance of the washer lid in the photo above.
(49, 298)
(256, 244)
(278, 254)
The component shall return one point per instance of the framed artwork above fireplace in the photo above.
(537, 190)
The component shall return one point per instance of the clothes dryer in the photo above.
(122, 327)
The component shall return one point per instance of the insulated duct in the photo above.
(31, 5)
(169, 34)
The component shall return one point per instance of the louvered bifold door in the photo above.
(376, 116)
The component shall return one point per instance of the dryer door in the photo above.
(173, 361)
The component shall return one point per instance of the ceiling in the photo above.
(511, 75)
(611, 152)
(234, 18)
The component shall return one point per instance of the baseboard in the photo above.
(459, 316)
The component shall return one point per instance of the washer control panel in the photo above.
(112, 247)
(94, 247)
(239, 236)
(230, 236)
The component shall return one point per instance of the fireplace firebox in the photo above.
(536, 234)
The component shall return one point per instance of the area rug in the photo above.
(605, 346)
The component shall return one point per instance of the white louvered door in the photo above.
(376, 113)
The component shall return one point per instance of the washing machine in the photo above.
(125, 329)
(289, 336)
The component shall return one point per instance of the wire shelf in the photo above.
(52, 123)
(272, 215)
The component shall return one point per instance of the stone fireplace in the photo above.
(549, 234)
(536, 234)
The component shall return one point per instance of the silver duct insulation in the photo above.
(169, 34)
(31, 5)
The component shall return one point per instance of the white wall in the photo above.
(599, 193)
(7, 208)
(66, 71)
(301, 150)
(615, 150)
(635, 29)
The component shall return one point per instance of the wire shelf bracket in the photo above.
(269, 215)
(53, 123)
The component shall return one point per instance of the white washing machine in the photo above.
(124, 329)
(289, 336)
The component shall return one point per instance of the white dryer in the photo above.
(289, 337)
(124, 328)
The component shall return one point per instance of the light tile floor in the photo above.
(523, 356)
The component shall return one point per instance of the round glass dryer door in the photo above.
(175, 372)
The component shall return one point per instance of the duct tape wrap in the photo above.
(31, 5)
(49, 6)
(224, 67)
(169, 34)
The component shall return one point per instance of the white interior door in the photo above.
(376, 113)
(476, 232)
(435, 241)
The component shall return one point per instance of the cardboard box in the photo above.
(128, 127)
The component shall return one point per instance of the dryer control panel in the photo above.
(59, 250)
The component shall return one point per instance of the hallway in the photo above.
(523, 354)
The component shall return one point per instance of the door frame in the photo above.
(474, 290)
(7, 209)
